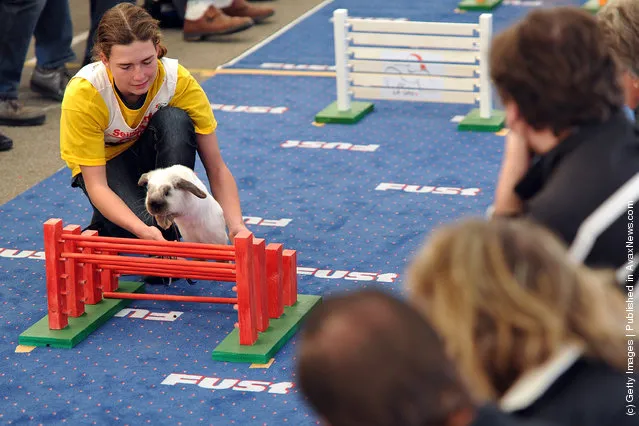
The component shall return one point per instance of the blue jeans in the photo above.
(168, 140)
(49, 21)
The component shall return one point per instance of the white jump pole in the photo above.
(485, 36)
(340, 17)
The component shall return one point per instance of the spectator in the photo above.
(368, 359)
(619, 20)
(571, 160)
(530, 329)
(50, 22)
(204, 18)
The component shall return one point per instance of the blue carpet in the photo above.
(349, 234)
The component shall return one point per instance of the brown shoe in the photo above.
(214, 22)
(242, 8)
(12, 113)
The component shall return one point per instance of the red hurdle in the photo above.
(83, 268)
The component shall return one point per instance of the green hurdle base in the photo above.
(592, 6)
(280, 330)
(79, 328)
(331, 114)
(474, 123)
(478, 5)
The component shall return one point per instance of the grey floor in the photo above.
(35, 155)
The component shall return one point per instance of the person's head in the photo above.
(619, 20)
(554, 72)
(128, 42)
(368, 359)
(505, 297)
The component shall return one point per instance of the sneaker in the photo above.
(5, 143)
(50, 83)
(214, 22)
(12, 113)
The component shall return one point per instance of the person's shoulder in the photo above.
(79, 91)
(183, 72)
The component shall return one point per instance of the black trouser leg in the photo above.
(169, 139)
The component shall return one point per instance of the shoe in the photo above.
(50, 83)
(214, 22)
(12, 113)
(5, 143)
(240, 8)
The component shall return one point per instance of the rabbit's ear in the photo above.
(190, 187)
(144, 179)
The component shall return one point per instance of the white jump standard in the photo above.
(412, 61)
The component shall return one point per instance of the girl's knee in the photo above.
(171, 118)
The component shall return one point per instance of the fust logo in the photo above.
(215, 383)
(21, 254)
(329, 145)
(347, 275)
(425, 189)
(149, 316)
(249, 109)
(297, 67)
(253, 220)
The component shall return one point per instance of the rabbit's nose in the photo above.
(157, 206)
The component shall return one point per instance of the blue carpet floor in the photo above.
(354, 216)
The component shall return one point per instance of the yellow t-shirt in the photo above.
(85, 117)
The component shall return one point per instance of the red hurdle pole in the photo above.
(154, 262)
(228, 254)
(274, 268)
(245, 288)
(180, 245)
(54, 265)
(289, 291)
(92, 288)
(169, 297)
(261, 290)
(73, 273)
(170, 274)
(108, 280)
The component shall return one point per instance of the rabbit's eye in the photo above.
(167, 191)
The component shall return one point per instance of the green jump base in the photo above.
(331, 114)
(476, 5)
(79, 328)
(592, 6)
(280, 330)
(474, 123)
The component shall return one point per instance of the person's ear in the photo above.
(104, 59)
(513, 115)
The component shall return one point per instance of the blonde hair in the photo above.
(124, 24)
(505, 297)
(619, 20)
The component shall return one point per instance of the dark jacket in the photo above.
(574, 390)
(566, 188)
(490, 415)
